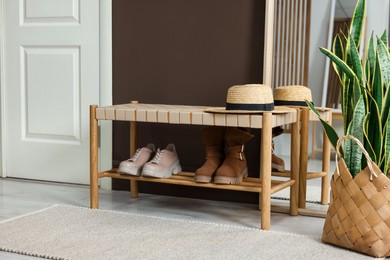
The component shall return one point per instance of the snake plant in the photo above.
(365, 98)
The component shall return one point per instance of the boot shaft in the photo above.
(237, 136)
(213, 135)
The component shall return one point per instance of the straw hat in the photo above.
(292, 96)
(250, 98)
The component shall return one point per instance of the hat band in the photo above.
(262, 107)
(290, 103)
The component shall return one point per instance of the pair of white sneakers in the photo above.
(151, 163)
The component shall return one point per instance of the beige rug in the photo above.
(67, 232)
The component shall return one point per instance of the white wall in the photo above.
(377, 17)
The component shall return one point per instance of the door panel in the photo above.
(61, 84)
(49, 10)
(51, 78)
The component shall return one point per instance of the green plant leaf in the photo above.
(369, 75)
(329, 130)
(357, 68)
(357, 24)
(385, 107)
(371, 58)
(375, 134)
(386, 166)
(339, 62)
(377, 86)
(350, 94)
(384, 38)
(339, 52)
(345, 104)
(353, 153)
(367, 144)
(343, 36)
(337, 47)
(384, 60)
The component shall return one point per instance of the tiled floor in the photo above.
(19, 197)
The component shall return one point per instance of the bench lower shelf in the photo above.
(187, 178)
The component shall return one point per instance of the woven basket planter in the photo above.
(358, 217)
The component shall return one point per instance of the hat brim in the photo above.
(222, 110)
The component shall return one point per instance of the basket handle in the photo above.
(368, 158)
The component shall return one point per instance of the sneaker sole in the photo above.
(128, 171)
(231, 180)
(174, 169)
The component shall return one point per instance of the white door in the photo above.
(51, 76)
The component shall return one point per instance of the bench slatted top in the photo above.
(190, 115)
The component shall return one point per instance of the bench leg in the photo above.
(304, 139)
(133, 148)
(294, 159)
(265, 166)
(93, 128)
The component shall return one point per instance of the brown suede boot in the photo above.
(234, 168)
(213, 139)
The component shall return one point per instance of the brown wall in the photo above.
(184, 52)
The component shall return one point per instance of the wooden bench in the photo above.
(196, 115)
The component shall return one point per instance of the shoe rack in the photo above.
(264, 185)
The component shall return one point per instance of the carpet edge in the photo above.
(14, 251)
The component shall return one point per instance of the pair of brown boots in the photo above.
(225, 159)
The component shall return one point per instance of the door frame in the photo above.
(105, 89)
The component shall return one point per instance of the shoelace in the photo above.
(135, 156)
(157, 157)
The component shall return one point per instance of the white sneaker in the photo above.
(133, 166)
(164, 164)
